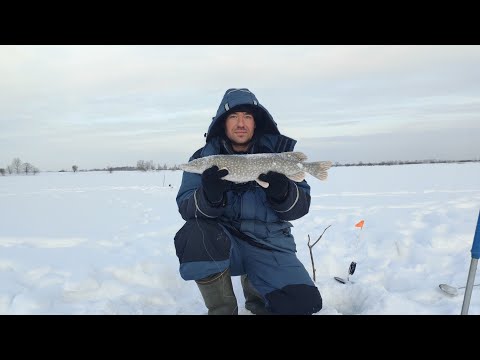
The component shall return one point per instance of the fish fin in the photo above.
(293, 155)
(224, 168)
(318, 169)
(263, 184)
(298, 177)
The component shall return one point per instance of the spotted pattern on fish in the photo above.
(244, 168)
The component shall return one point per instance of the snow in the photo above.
(101, 243)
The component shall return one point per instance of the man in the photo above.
(244, 229)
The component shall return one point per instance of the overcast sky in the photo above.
(98, 106)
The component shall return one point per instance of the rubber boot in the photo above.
(253, 300)
(218, 295)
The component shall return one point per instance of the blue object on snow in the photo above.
(476, 241)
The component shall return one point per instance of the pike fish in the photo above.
(244, 168)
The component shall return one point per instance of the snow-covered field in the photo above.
(101, 243)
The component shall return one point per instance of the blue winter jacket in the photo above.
(247, 210)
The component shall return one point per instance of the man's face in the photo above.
(239, 128)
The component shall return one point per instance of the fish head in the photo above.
(196, 166)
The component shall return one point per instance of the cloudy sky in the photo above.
(98, 106)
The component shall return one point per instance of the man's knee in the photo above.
(202, 240)
(298, 299)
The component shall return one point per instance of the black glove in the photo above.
(213, 185)
(279, 185)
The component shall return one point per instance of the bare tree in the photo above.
(310, 248)
(17, 164)
(35, 170)
(141, 165)
(10, 169)
(27, 167)
(110, 169)
(2, 172)
(150, 165)
(74, 168)
(145, 165)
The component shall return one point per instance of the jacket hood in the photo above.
(238, 99)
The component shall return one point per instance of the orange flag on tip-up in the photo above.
(360, 224)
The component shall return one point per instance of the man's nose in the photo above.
(241, 120)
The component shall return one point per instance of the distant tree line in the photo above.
(406, 162)
(142, 165)
(19, 167)
(148, 165)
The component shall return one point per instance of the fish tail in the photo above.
(318, 169)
